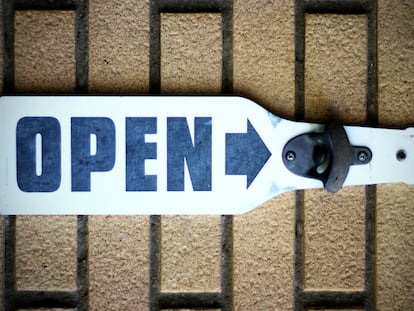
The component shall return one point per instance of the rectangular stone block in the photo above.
(46, 252)
(263, 54)
(191, 53)
(335, 68)
(45, 51)
(118, 46)
(263, 256)
(190, 253)
(334, 232)
(118, 262)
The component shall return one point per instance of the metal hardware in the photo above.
(290, 156)
(326, 156)
(362, 156)
(401, 155)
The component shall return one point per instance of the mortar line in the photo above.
(155, 49)
(155, 262)
(9, 222)
(299, 115)
(46, 4)
(227, 49)
(82, 86)
(82, 46)
(336, 6)
(155, 220)
(371, 191)
(8, 46)
(226, 272)
(9, 264)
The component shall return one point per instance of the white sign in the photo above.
(147, 155)
(136, 155)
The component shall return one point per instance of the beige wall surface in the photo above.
(263, 69)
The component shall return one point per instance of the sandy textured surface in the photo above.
(44, 52)
(43, 246)
(263, 69)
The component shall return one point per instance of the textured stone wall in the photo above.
(263, 58)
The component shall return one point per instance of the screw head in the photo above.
(290, 156)
(401, 155)
(362, 156)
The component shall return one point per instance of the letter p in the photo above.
(83, 161)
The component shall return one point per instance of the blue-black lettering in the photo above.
(82, 161)
(180, 149)
(246, 154)
(137, 150)
(28, 179)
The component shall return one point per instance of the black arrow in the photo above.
(246, 154)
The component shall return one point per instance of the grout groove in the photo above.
(162, 300)
(365, 298)
(224, 299)
(14, 298)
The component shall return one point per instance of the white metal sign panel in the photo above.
(138, 155)
(161, 155)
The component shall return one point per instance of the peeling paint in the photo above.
(275, 120)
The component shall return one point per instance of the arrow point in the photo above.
(246, 154)
(260, 153)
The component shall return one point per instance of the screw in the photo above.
(290, 156)
(401, 155)
(362, 156)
